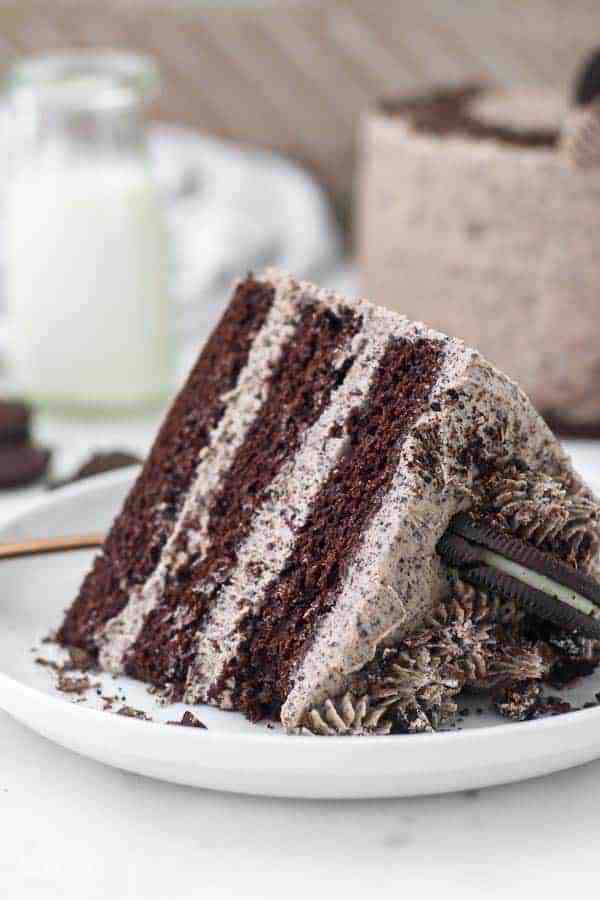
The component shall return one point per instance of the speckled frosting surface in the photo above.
(327, 444)
(491, 237)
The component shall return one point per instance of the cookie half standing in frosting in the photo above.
(546, 586)
(523, 609)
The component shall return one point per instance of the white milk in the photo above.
(87, 283)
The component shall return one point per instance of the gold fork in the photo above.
(36, 547)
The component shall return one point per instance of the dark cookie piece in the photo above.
(189, 720)
(587, 82)
(15, 420)
(98, 464)
(22, 465)
(566, 671)
(462, 546)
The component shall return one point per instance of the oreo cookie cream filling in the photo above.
(487, 556)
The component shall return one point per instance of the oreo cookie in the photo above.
(22, 465)
(15, 421)
(489, 558)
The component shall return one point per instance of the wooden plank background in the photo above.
(297, 75)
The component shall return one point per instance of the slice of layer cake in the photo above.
(285, 523)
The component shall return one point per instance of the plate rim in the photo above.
(478, 734)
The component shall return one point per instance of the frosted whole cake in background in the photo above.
(473, 218)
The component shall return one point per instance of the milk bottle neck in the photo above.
(75, 108)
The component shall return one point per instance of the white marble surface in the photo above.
(76, 830)
(71, 828)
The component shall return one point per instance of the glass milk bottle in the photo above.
(87, 249)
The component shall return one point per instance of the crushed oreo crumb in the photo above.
(47, 663)
(133, 713)
(518, 700)
(80, 659)
(524, 702)
(69, 684)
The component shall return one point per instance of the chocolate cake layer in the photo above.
(215, 456)
(298, 390)
(277, 638)
(139, 533)
(287, 506)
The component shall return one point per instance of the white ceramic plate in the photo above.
(232, 754)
